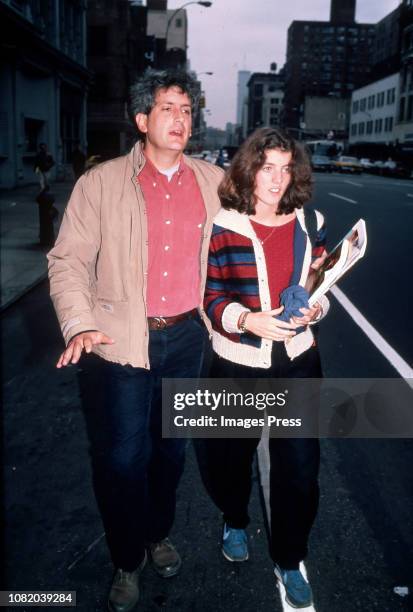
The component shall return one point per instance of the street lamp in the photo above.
(171, 18)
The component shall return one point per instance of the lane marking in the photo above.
(264, 470)
(398, 363)
(353, 183)
(409, 195)
(340, 197)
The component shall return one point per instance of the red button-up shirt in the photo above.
(176, 217)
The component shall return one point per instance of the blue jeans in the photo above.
(136, 471)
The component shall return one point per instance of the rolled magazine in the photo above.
(351, 248)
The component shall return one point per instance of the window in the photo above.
(354, 129)
(380, 99)
(401, 109)
(178, 22)
(363, 104)
(371, 101)
(409, 115)
(355, 106)
(97, 40)
(390, 96)
(378, 126)
(32, 134)
(361, 128)
(388, 124)
(369, 127)
(99, 87)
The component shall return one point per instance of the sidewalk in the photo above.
(23, 260)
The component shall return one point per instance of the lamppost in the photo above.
(171, 18)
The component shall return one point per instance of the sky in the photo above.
(235, 35)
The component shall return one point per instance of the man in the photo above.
(127, 277)
(43, 163)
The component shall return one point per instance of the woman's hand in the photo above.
(264, 325)
(309, 315)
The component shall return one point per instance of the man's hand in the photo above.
(79, 343)
(264, 324)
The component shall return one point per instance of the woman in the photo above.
(260, 246)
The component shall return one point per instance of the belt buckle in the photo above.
(160, 322)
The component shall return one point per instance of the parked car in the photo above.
(345, 163)
(366, 164)
(392, 168)
(321, 163)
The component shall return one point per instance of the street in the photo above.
(362, 542)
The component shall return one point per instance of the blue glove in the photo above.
(293, 298)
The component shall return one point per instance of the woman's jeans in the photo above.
(136, 471)
(294, 490)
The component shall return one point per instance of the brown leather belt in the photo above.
(163, 322)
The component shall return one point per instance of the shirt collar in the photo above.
(154, 172)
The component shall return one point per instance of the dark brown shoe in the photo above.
(165, 558)
(124, 593)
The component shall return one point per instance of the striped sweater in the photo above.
(237, 280)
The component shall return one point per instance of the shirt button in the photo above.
(167, 196)
(167, 247)
(163, 298)
(165, 273)
(179, 183)
(168, 222)
(154, 184)
(199, 224)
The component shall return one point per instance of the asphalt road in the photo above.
(362, 543)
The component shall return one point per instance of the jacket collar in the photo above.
(239, 222)
(137, 159)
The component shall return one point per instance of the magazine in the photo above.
(338, 261)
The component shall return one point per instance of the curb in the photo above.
(22, 293)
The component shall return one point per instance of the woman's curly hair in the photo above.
(237, 188)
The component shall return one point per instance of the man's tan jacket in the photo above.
(98, 267)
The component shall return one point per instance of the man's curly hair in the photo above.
(237, 189)
(143, 92)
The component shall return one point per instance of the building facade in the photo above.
(265, 100)
(242, 101)
(44, 81)
(117, 53)
(326, 58)
(404, 120)
(169, 31)
(374, 112)
(325, 117)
